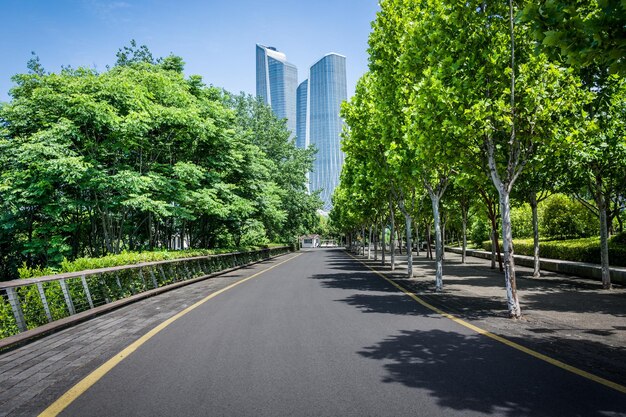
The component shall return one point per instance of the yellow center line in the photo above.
(497, 338)
(73, 393)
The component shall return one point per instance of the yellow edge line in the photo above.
(500, 339)
(82, 386)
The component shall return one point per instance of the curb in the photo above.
(579, 269)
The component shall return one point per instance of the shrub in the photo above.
(619, 239)
(124, 258)
(480, 230)
(522, 221)
(563, 218)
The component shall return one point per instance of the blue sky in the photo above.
(216, 38)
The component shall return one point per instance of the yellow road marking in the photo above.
(500, 339)
(73, 393)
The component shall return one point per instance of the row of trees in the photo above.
(486, 101)
(138, 157)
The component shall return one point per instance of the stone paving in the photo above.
(565, 317)
(36, 374)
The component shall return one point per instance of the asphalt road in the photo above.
(320, 335)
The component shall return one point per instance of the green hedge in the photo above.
(577, 250)
(128, 258)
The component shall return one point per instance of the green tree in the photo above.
(140, 156)
(589, 37)
(291, 211)
(587, 33)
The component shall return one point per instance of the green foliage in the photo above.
(619, 239)
(134, 54)
(585, 33)
(8, 326)
(480, 231)
(136, 157)
(323, 227)
(522, 221)
(129, 258)
(37, 271)
(563, 218)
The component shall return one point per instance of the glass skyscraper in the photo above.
(301, 100)
(276, 83)
(311, 109)
(326, 91)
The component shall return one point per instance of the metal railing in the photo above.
(29, 303)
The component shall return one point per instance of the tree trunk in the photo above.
(409, 244)
(382, 240)
(536, 264)
(495, 245)
(443, 240)
(151, 238)
(409, 248)
(363, 239)
(463, 251)
(610, 213)
(392, 247)
(494, 242)
(438, 244)
(604, 239)
(509, 261)
(375, 241)
(417, 238)
(429, 250)
(369, 244)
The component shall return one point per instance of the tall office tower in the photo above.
(276, 83)
(326, 91)
(301, 100)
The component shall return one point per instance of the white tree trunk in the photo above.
(383, 243)
(463, 252)
(392, 246)
(438, 243)
(443, 241)
(375, 241)
(494, 243)
(604, 238)
(409, 244)
(369, 244)
(417, 238)
(507, 249)
(536, 264)
(363, 239)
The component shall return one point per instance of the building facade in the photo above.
(276, 83)
(301, 101)
(326, 91)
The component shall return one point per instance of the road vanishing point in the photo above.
(313, 333)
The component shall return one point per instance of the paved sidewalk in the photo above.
(568, 318)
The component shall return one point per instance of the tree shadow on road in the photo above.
(394, 303)
(356, 280)
(471, 372)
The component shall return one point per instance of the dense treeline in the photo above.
(141, 157)
(478, 106)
